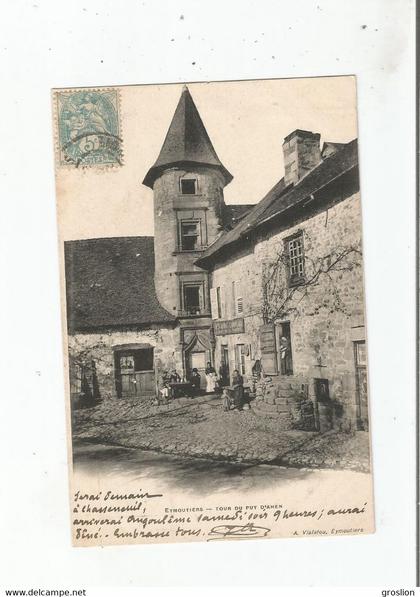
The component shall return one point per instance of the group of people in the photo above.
(168, 379)
(235, 393)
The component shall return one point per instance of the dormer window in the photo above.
(188, 186)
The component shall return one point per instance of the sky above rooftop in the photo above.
(246, 121)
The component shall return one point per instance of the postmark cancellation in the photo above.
(88, 129)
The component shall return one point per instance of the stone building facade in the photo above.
(138, 307)
(278, 284)
(287, 289)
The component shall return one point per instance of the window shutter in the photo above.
(226, 291)
(268, 349)
(223, 302)
(213, 303)
(239, 306)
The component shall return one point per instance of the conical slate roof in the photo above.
(186, 142)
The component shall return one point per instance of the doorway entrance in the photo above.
(224, 368)
(134, 373)
(196, 358)
(284, 348)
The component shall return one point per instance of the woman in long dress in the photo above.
(211, 378)
(238, 389)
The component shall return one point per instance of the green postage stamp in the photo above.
(89, 127)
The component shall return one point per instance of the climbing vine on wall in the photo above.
(322, 287)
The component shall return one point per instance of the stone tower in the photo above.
(187, 181)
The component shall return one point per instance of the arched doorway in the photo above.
(197, 353)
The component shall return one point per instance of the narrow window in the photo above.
(360, 348)
(296, 259)
(190, 234)
(188, 186)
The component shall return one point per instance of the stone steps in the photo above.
(273, 399)
(271, 408)
(263, 410)
(282, 381)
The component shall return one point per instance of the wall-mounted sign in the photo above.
(232, 326)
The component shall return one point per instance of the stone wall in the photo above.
(169, 206)
(241, 269)
(99, 348)
(323, 326)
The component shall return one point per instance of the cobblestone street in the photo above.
(200, 428)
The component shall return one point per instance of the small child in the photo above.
(226, 401)
(165, 391)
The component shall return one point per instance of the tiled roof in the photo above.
(329, 148)
(186, 142)
(281, 198)
(235, 212)
(110, 282)
(243, 225)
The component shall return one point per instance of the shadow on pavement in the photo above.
(195, 475)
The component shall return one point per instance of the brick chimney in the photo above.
(302, 152)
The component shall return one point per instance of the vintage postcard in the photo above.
(213, 311)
